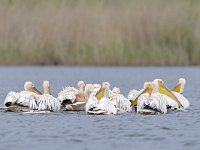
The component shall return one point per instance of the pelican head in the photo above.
(116, 90)
(159, 82)
(179, 88)
(46, 86)
(30, 87)
(96, 87)
(104, 91)
(80, 85)
(150, 87)
(153, 87)
(105, 85)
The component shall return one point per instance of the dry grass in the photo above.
(99, 32)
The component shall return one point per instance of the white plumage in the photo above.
(106, 104)
(24, 98)
(133, 94)
(111, 103)
(96, 87)
(33, 101)
(68, 93)
(150, 101)
(74, 99)
(185, 103)
(178, 92)
(48, 102)
(154, 104)
(170, 102)
(179, 101)
(119, 100)
(102, 106)
(92, 102)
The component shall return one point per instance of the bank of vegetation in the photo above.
(100, 32)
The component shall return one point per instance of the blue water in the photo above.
(79, 131)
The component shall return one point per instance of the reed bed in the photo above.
(100, 32)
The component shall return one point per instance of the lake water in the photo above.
(79, 131)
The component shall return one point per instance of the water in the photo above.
(77, 130)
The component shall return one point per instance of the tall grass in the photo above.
(100, 32)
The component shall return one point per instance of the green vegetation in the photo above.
(100, 32)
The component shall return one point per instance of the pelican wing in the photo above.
(92, 102)
(27, 99)
(165, 91)
(183, 100)
(105, 104)
(68, 93)
(133, 94)
(153, 103)
(121, 102)
(12, 97)
(47, 102)
(170, 102)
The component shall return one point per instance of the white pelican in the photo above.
(75, 99)
(83, 91)
(80, 97)
(100, 107)
(30, 100)
(67, 95)
(178, 92)
(179, 88)
(47, 102)
(30, 87)
(181, 101)
(100, 103)
(70, 95)
(24, 100)
(119, 100)
(79, 105)
(81, 86)
(104, 90)
(170, 102)
(151, 101)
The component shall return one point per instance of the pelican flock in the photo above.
(98, 99)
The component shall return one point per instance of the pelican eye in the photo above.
(161, 82)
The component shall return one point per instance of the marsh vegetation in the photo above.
(99, 32)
